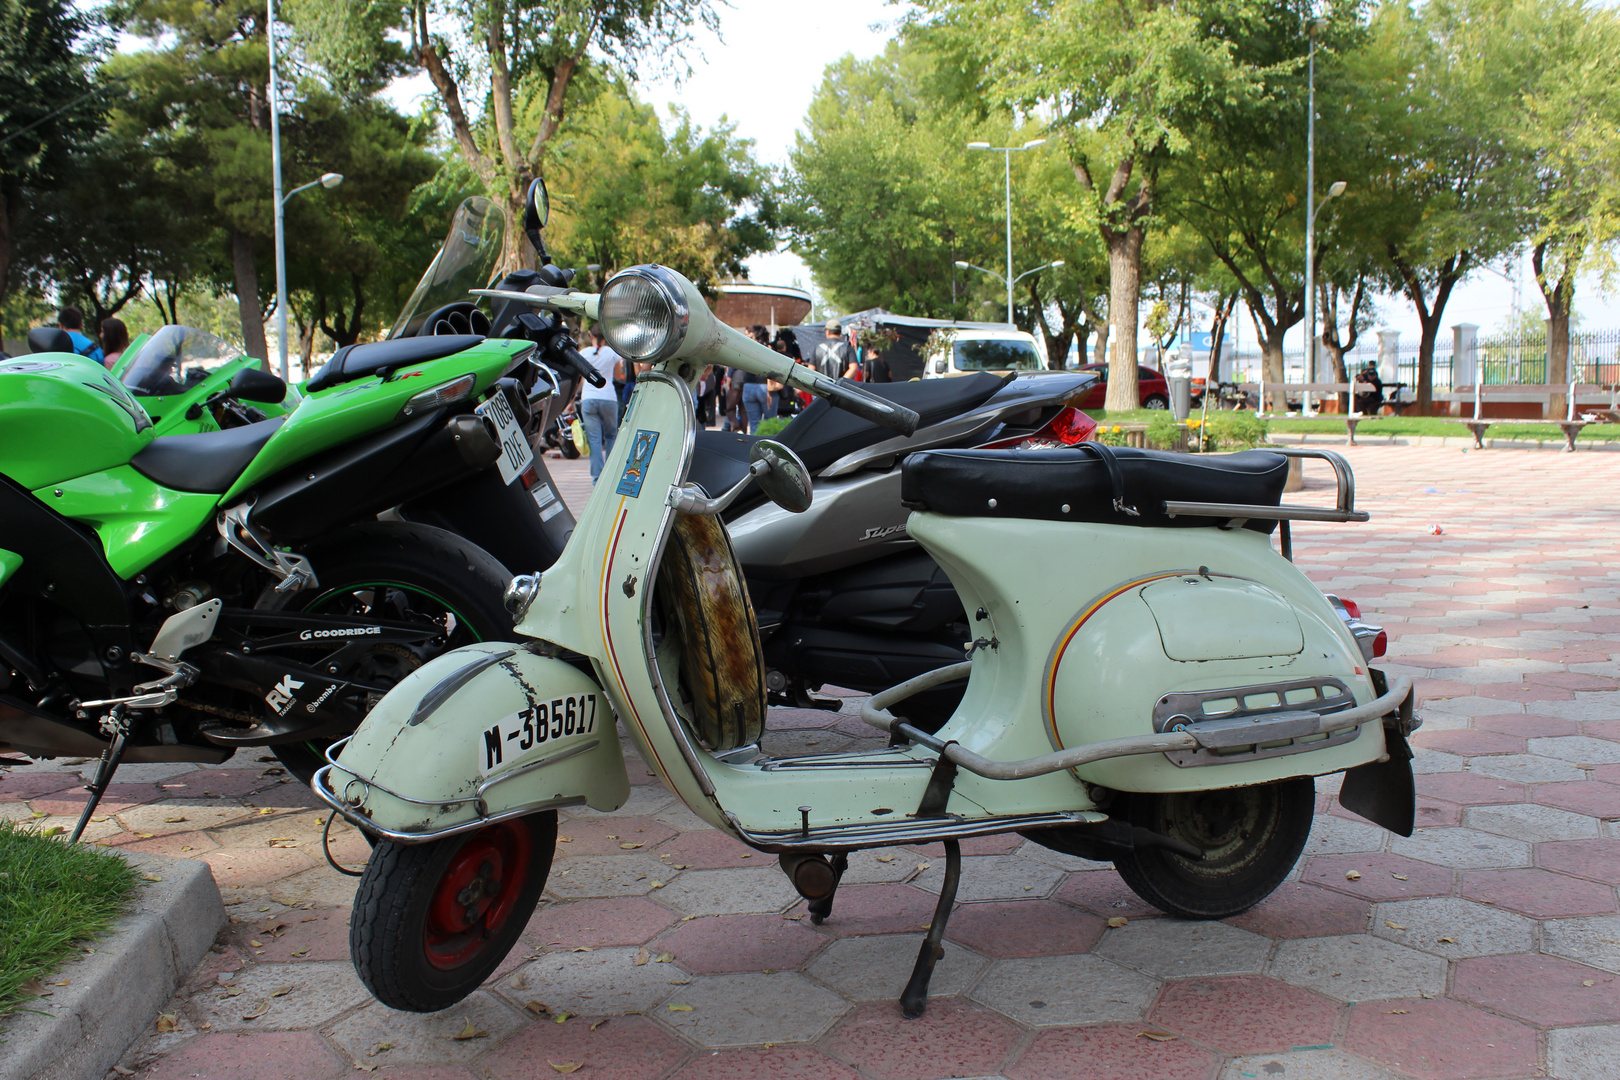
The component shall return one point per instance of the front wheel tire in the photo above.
(1157, 401)
(432, 921)
(1251, 837)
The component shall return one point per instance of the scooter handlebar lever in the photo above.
(866, 405)
(563, 350)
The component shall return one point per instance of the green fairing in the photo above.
(62, 415)
(9, 562)
(341, 413)
(138, 521)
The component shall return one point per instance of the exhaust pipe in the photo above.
(812, 875)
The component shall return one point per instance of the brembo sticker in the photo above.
(635, 470)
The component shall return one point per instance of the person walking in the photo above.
(834, 356)
(114, 340)
(71, 319)
(599, 405)
(756, 397)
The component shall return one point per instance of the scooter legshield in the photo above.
(484, 732)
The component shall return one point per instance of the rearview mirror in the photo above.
(536, 212)
(256, 384)
(787, 482)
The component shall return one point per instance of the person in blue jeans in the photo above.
(598, 405)
(756, 397)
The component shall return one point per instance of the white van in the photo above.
(964, 350)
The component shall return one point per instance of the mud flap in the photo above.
(1384, 792)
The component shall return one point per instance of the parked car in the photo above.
(965, 350)
(1151, 389)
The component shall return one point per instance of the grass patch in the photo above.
(53, 895)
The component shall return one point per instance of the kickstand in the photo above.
(914, 999)
(108, 765)
(821, 908)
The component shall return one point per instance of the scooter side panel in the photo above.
(137, 520)
(852, 520)
(491, 722)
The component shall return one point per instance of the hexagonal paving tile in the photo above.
(876, 969)
(610, 835)
(1103, 892)
(953, 1038)
(995, 877)
(1542, 894)
(1543, 990)
(1530, 821)
(884, 865)
(593, 876)
(1359, 968)
(1056, 990)
(1106, 1052)
(1297, 909)
(1584, 1053)
(1469, 788)
(1024, 928)
(1578, 749)
(1379, 876)
(707, 849)
(426, 1038)
(730, 892)
(1246, 1014)
(775, 1063)
(1176, 949)
(877, 909)
(1422, 1037)
(1592, 940)
(1453, 928)
(1315, 1064)
(1332, 835)
(630, 1048)
(603, 982)
(741, 943)
(745, 1010)
(291, 1055)
(1589, 797)
(626, 920)
(1526, 769)
(279, 997)
(1595, 859)
(1463, 849)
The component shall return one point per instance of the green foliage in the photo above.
(1163, 432)
(773, 426)
(53, 895)
(1231, 430)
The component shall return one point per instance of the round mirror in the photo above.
(538, 210)
(786, 482)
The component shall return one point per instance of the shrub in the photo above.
(772, 426)
(1236, 430)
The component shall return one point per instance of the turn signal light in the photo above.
(1352, 607)
(1380, 643)
(1068, 427)
(443, 394)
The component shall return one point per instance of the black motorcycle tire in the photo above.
(438, 566)
(569, 450)
(398, 938)
(1251, 836)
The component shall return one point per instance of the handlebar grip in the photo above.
(571, 356)
(868, 406)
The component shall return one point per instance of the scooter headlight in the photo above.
(644, 314)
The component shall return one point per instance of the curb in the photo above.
(120, 985)
(1453, 442)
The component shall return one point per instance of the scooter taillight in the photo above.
(1380, 643)
(1068, 427)
(1352, 607)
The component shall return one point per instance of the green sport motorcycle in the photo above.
(173, 598)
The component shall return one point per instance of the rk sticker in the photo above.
(635, 470)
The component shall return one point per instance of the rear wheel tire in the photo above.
(1251, 837)
(432, 921)
(1157, 401)
(399, 570)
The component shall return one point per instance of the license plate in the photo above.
(513, 736)
(516, 457)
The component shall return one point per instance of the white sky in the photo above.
(764, 69)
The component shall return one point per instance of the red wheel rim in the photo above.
(476, 894)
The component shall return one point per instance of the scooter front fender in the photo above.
(481, 734)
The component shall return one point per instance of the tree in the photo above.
(524, 58)
(1118, 79)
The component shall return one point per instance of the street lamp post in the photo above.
(327, 180)
(1007, 153)
(1313, 27)
(1009, 282)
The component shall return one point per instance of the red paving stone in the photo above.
(777, 1063)
(1470, 789)
(877, 909)
(738, 943)
(1440, 1039)
(627, 920)
(1587, 797)
(288, 1055)
(1246, 1014)
(1298, 910)
(249, 866)
(223, 783)
(1024, 928)
(1111, 1052)
(610, 835)
(1572, 680)
(15, 787)
(708, 850)
(624, 1048)
(1596, 859)
(305, 935)
(1543, 990)
(1541, 894)
(1469, 743)
(1526, 726)
(953, 1038)
(1380, 877)
(1101, 892)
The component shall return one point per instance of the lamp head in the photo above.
(1034, 143)
(963, 265)
(1055, 263)
(1337, 189)
(331, 180)
(978, 146)
(1316, 26)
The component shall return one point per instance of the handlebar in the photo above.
(563, 349)
(866, 405)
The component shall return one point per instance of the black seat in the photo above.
(378, 357)
(822, 434)
(43, 339)
(208, 462)
(1074, 484)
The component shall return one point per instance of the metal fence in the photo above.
(1594, 357)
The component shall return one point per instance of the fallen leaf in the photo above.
(679, 866)
(61, 982)
(586, 948)
(612, 837)
(469, 1032)
(264, 907)
(186, 848)
(1117, 921)
(51, 830)
(680, 1008)
(1157, 1036)
(560, 1017)
(657, 884)
(1398, 877)
(1394, 1012)
(885, 858)
(1588, 982)
(281, 991)
(259, 1010)
(1446, 941)
(380, 1048)
(629, 847)
(174, 820)
(121, 1071)
(145, 835)
(1352, 875)
(265, 811)
(256, 944)
(539, 1008)
(567, 1066)
(598, 1023)
(235, 991)
(302, 950)
(749, 855)
(1393, 926)
(663, 958)
(40, 814)
(641, 958)
(565, 839)
(519, 982)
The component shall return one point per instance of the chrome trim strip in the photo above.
(441, 691)
(521, 770)
(869, 834)
(365, 824)
(1345, 510)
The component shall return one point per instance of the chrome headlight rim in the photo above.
(668, 286)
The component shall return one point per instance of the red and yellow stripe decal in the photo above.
(1049, 697)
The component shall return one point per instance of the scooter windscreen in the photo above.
(467, 260)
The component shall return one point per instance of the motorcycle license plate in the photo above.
(516, 456)
(515, 735)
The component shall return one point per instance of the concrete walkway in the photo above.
(1486, 946)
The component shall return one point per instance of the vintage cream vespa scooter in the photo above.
(1149, 682)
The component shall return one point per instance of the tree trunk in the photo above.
(9, 207)
(1100, 356)
(1081, 333)
(1273, 367)
(1124, 298)
(1423, 402)
(247, 297)
(1560, 298)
